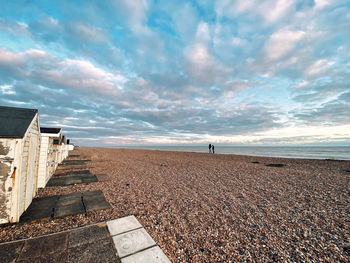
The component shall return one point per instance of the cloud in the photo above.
(42, 67)
(281, 43)
(179, 71)
(301, 84)
(275, 10)
(134, 11)
(320, 66)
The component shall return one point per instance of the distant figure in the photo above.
(212, 147)
(209, 148)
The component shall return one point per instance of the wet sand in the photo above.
(202, 207)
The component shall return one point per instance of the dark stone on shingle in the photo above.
(275, 165)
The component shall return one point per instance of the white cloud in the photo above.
(281, 43)
(7, 90)
(202, 65)
(89, 32)
(318, 67)
(301, 84)
(78, 74)
(322, 3)
(136, 11)
(274, 10)
(203, 34)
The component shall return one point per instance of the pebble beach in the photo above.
(202, 207)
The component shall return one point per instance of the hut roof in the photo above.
(14, 122)
(50, 130)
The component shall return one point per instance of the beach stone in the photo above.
(121, 225)
(151, 255)
(133, 241)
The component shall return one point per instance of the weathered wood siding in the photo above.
(43, 162)
(7, 175)
(48, 158)
(19, 162)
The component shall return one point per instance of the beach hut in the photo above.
(19, 161)
(50, 148)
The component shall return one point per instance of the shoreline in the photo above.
(237, 154)
(202, 207)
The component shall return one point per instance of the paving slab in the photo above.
(40, 208)
(95, 200)
(72, 167)
(121, 225)
(10, 252)
(94, 243)
(74, 155)
(36, 247)
(79, 172)
(133, 241)
(64, 205)
(102, 177)
(72, 179)
(70, 206)
(85, 235)
(68, 246)
(74, 162)
(150, 255)
(95, 252)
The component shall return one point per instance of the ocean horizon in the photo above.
(300, 152)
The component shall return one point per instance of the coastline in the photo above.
(203, 207)
(295, 152)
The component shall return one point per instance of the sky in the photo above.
(143, 72)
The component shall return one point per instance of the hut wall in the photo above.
(29, 167)
(48, 158)
(43, 162)
(19, 162)
(10, 150)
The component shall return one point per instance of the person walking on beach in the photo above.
(213, 149)
(209, 148)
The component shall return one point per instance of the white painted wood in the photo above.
(20, 173)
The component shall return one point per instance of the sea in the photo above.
(305, 152)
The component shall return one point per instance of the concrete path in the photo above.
(121, 240)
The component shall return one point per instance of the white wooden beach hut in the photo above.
(49, 153)
(19, 161)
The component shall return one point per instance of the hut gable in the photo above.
(14, 122)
